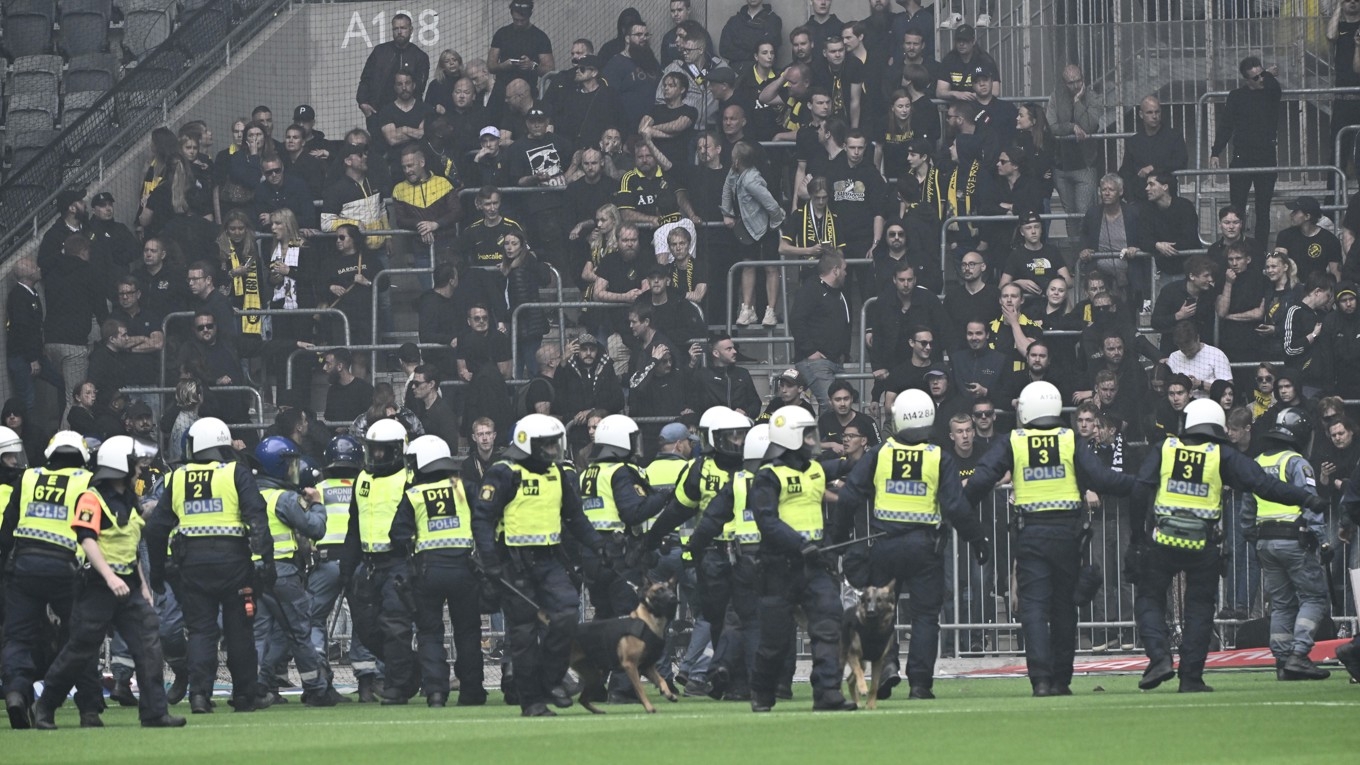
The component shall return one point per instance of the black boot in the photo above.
(833, 701)
(1300, 667)
(437, 700)
(537, 709)
(43, 716)
(178, 687)
(1159, 671)
(91, 720)
(20, 711)
(199, 704)
(367, 693)
(164, 721)
(122, 693)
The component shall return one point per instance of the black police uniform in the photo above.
(1047, 545)
(530, 561)
(611, 582)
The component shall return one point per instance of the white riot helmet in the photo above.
(725, 432)
(117, 458)
(11, 443)
(68, 442)
(756, 445)
(711, 416)
(431, 454)
(788, 428)
(1204, 417)
(913, 415)
(209, 439)
(384, 447)
(1039, 401)
(617, 437)
(539, 436)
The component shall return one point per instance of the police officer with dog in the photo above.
(434, 520)
(915, 489)
(1048, 473)
(524, 502)
(214, 507)
(1184, 479)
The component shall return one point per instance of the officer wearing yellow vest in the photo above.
(435, 520)
(282, 626)
(1183, 481)
(214, 507)
(112, 592)
(524, 502)
(344, 459)
(1048, 473)
(722, 431)
(729, 512)
(914, 488)
(39, 550)
(1287, 538)
(13, 463)
(382, 598)
(786, 503)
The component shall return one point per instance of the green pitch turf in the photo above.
(1251, 718)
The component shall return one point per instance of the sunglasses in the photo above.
(1265, 379)
(988, 413)
(203, 327)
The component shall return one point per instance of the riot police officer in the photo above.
(382, 600)
(435, 520)
(1185, 477)
(111, 591)
(786, 503)
(282, 626)
(1048, 472)
(215, 506)
(915, 488)
(524, 502)
(1287, 539)
(39, 547)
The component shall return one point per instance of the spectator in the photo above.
(81, 417)
(385, 406)
(680, 12)
(585, 196)
(1012, 332)
(1241, 304)
(1152, 148)
(972, 297)
(754, 216)
(377, 82)
(1038, 367)
(436, 416)
(1282, 274)
(1074, 113)
(1341, 29)
(540, 394)
(427, 204)
(348, 396)
(352, 197)
(603, 239)
(481, 346)
(1112, 230)
(401, 120)
(587, 381)
(820, 324)
(958, 67)
(540, 159)
(479, 243)
(698, 62)
(1288, 392)
(1169, 225)
(978, 370)
(858, 194)
(1224, 394)
(682, 271)
(69, 277)
(633, 73)
(348, 279)
(647, 344)
(788, 95)
(520, 50)
(447, 73)
(985, 430)
(789, 390)
(1202, 364)
(1312, 248)
(1301, 327)
(673, 315)
(188, 399)
(1249, 119)
(24, 320)
(483, 452)
(947, 402)
(753, 23)
(204, 296)
(524, 276)
(1035, 263)
(723, 382)
(246, 166)
(113, 246)
(1230, 229)
(163, 283)
(902, 308)
(282, 190)
(1340, 344)
(836, 424)
(911, 372)
(438, 309)
(620, 280)
(1188, 299)
(1170, 412)
(648, 196)
(144, 339)
(230, 193)
(842, 76)
(996, 118)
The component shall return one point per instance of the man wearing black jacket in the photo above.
(439, 310)
(820, 323)
(722, 382)
(115, 247)
(1250, 119)
(24, 335)
(1339, 349)
(588, 381)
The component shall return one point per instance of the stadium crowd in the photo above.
(640, 170)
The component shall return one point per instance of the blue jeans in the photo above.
(820, 373)
(21, 377)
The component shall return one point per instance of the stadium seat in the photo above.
(76, 104)
(146, 24)
(85, 26)
(28, 144)
(30, 112)
(92, 71)
(204, 28)
(36, 74)
(28, 26)
(17, 200)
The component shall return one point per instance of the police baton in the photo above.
(481, 568)
(839, 545)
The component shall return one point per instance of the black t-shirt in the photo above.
(622, 275)
(1041, 266)
(704, 187)
(676, 148)
(345, 402)
(489, 348)
(829, 428)
(839, 84)
(857, 195)
(391, 114)
(511, 43)
(808, 146)
(1344, 53)
(1313, 254)
(549, 154)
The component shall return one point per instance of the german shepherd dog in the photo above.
(866, 633)
(631, 644)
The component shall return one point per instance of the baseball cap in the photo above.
(920, 146)
(1031, 216)
(674, 433)
(936, 371)
(490, 130)
(304, 113)
(536, 114)
(985, 71)
(1346, 288)
(101, 199)
(137, 410)
(585, 338)
(68, 197)
(409, 353)
(1306, 204)
(965, 32)
(792, 376)
(525, 7)
(723, 75)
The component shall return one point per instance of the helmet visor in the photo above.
(729, 442)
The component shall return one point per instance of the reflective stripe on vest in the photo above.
(47, 499)
(744, 528)
(906, 477)
(206, 500)
(1191, 482)
(800, 498)
(597, 496)
(664, 474)
(336, 494)
(118, 544)
(1045, 470)
(712, 479)
(534, 515)
(285, 543)
(443, 516)
(1275, 512)
(376, 500)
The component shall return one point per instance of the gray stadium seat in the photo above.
(30, 112)
(36, 74)
(29, 144)
(76, 104)
(28, 26)
(204, 28)
(146, 24)
(92, 71)
(84, 32)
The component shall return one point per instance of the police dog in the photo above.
(866, 633)
(632, 644)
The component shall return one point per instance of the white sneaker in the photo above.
(746, 317)
(983, 20)
(769, 319)
(952, 21)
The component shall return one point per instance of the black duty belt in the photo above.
(1277, 530)
(325, 553)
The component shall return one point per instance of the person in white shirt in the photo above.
(1200, 362)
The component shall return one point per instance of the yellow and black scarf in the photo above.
(246, 286)
(683, 276)
(811, 236)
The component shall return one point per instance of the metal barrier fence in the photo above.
(177, 315)
(258, 425)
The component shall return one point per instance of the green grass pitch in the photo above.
(1251, 718)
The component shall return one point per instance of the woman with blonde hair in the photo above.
(188, 398)
(439, 93)
(754, 216)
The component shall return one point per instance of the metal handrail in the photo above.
(1336, 144)
(781, 264)
(165, 323)
(561, 304)
(1202, 117)
(323, 349)
(1338, 194)
(944, 229)
(259, 423)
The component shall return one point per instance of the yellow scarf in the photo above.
(811, 237)
(969, 189)
(684, 281)
(248, 287)
(1261, 402)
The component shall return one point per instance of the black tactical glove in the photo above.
(1318, 504)
(982, 550)
(1135, 561)
(810, 552)
(265, 575)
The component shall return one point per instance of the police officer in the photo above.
(38, 547)
(111, 591)
(1287, 540)
(1048, 473)
(344, 459)
(723, 431)
(435, 520)
(282, 626)
(523, 504)
(215, 506)
(914, 486)
(786, 502)
(383, 598)
(1185, 477)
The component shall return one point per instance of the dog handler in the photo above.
(1048, 472)
(517, 518)
(914, 485)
